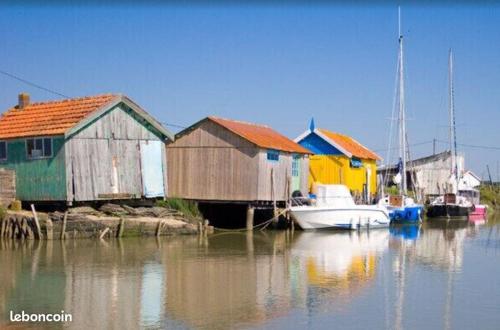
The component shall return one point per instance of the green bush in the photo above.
(188, 208)
(490, 195)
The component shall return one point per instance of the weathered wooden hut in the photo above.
(340, 159)
(224, 160)
(84, 149)
(427, 176)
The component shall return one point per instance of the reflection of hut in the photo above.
(338, 264)
(212, 290)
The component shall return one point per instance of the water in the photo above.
(434, 276)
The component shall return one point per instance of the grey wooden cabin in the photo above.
(85, 149)
(231, 161)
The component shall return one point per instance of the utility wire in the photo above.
(173, 125)
(32, 84)
(471, 145)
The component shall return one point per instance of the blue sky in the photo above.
(272, 64)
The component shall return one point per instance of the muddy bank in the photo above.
(108, 222)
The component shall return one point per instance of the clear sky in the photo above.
(271, 64)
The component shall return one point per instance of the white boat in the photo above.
(334, 207)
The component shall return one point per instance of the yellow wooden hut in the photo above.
(340, 159)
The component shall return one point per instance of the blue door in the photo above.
(152, 168)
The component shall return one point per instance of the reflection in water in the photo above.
(233, 280)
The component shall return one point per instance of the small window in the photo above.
(3, 150)
(39, 148)
(273, 155)
(295, 165)
(356, 163)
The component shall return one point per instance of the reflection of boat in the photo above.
(406, 231)
(335, 208)
(334, 255)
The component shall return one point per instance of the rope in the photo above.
(265, 223)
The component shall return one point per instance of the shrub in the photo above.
(188, 208)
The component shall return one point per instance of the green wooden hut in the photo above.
(84, 149)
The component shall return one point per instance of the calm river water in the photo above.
(428, 277)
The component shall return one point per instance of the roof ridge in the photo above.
(80, 98)
(239, 121)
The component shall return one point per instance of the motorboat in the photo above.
(333, 207)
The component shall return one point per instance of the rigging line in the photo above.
(32, 84)
(471, 145)
(411, 145)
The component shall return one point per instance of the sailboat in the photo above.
(451, 204)
(402, 209)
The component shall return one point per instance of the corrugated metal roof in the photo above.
(351, 145)
(260, 135)
(49, 118)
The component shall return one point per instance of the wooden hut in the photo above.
(232, 161)
(84, 149)
(340, 159)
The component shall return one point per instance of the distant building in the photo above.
(340, 159)
(84, 149)
(224, 160)
(426, 176)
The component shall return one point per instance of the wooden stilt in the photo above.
(49, 228)
(104, 232)
(38, 234)
(250, 217)
(63, 229)
(121, 227)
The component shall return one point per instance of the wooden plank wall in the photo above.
(91, 153)
(211, 163)
(282, 170)
(7, 186)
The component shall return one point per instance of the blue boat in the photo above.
(406, 214)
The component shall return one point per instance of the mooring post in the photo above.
(37, 223)
(121, 227)
(63, 229)
(49, 227)
(250, 216)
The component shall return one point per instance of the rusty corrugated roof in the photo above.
(260, 135)
(49, 118)
(350, 145)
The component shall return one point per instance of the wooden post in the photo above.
(104, 232)
(63, 229)
(49, 227)
(159, 227)
(37, 223)
(250, 216)
(121, 227)
(3, 223)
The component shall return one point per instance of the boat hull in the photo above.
(478, 211)
(407, 214)
(311, 217)
(448, 211)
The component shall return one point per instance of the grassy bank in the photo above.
(188, 208)
(490, 195)
(3, 212)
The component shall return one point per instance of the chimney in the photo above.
(24, 100)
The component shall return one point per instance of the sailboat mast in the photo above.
(453, 137)
(402, 119)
